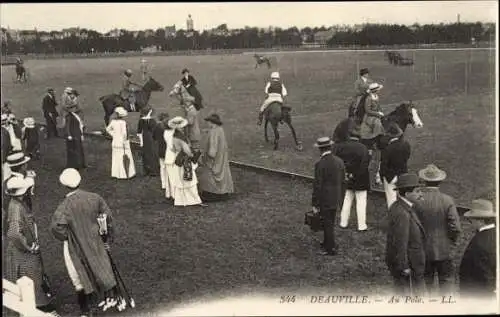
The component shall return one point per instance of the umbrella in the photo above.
(126, 161)
(45, 279)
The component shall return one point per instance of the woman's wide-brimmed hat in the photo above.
(29, 122)
(323, 142)
(68, 90)
(128, 72)
(394, 131)
(432, 174)
(17, 158)
(375, 87)
(121, 112)
(177, 123)
(407, 180)
(185, 70)
(70, 177)
(5, 117)
(214, 118)
(481, 208)
(18, 185)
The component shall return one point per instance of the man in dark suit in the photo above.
(360, 92)
(405, 251)
(329, 176)
(49, 105)
(439, 216)
(6, 145)
(393, 161)
(356, 159)
(478, 267)
(74, 140)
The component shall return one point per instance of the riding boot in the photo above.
(261, 117)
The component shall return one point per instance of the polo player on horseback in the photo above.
(275, 91)
(371, 126)
(144, 69)
(128, 89)
(361, 91)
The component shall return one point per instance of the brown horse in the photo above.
(274, 114)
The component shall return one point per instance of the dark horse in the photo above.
(110, 102)
(396, 59)
(259, 60)
(403, 115)
(21, 73)
(275, 114)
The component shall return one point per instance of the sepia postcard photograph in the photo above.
(249, 158)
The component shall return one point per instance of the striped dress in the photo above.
(19, 261)
(75, 220)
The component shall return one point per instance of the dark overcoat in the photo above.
(394, 159)
(329, 174)
(356, 160)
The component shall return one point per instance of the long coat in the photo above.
(371, 126)
(405, 247)
(478, 267)
(145, 127)
(438, 214)
(19, 261)
(190, 85)
(75, 220)
(74, 147)
(356, 160)
(394, 159)
(193, 128)
(214, 175)
(329, 175)
(6, 145)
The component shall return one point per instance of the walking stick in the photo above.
(411, 285)
(45, 279)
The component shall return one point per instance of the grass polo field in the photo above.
(257, 241)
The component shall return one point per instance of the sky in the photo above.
(103, 17)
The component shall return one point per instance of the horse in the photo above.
(110, 102)
(391, 57)
(183, 95)
(275, 113)
(404, 114)
(261, 60)
(21, 73)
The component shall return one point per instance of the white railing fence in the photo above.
(20, 297)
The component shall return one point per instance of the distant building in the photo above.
(28, 35)
(170, 31)
(189, 24)
(322, 37)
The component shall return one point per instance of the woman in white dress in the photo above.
(185, 192)
(168, 162)
(120, 146)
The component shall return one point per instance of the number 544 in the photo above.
(287, 299)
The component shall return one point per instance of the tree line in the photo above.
(252, 38)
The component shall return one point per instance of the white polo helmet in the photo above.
(275, 75)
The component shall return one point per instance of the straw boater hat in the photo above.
(18, 185)
(177, 123)
(275, 75)
(214, 118)
(70, 177)
(68, 90)
(363, 71)
(407, 180)
(128, 72)
(29, 122)
(17, 159)
(375, 87)
(432, 174)
(481, 208)
(323, 142)
(394, 131)
(121, 112)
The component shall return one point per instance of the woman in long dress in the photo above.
(22, 252)
(168, 161)
(145, 131)
(185, 189)
(120, 145)
(214, 174)
(160, 144)
(371, 126)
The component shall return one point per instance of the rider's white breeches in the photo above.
(272, 97)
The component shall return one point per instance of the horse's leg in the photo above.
(288, 121)
(265, 130)
(276, 134)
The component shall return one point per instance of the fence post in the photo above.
(413, 58)
(435, 68)
(357, 66)
(27, 291)
(466, 79)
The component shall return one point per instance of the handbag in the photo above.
(314, 221)
(180, 159)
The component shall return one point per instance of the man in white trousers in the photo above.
(356, 160)
(394, 161)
